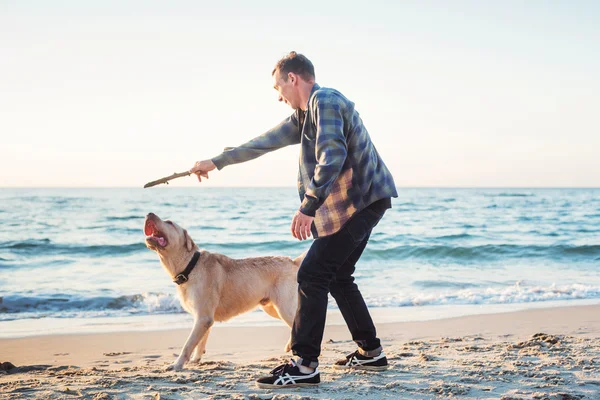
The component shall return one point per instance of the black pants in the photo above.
(328, 267)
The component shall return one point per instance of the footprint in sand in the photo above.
(102, 363)
(152, 356)
(117, 354)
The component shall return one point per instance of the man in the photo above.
(345, 188)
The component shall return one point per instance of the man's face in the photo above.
(288, 91)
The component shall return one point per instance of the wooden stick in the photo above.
(166, 179)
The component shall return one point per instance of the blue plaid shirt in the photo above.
(340, 170)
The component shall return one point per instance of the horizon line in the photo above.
(294, 187)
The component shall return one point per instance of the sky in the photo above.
(116, 93)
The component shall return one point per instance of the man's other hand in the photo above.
(301, 226)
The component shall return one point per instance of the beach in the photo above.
(476, 120)
(476, 294)
(547, 353)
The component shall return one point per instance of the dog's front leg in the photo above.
(200, 349)
(200, 329)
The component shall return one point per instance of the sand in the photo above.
(551, 353)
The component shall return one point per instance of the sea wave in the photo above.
(22, 306)
(517, 293)
(508, 194)
(384, 248)
(440, 284)
(145, 303)
(489, 252)
(124, 218)
(456, 236)
(32, 247)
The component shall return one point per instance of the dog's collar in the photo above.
(183, 277)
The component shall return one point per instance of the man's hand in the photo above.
(202, 168)
(301, 225)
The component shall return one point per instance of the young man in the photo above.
(345, 188)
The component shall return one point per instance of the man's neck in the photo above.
(305, 91)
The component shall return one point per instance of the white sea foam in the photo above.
(482, 296)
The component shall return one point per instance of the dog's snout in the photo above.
(150, 215)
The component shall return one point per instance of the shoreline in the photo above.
(34, 327)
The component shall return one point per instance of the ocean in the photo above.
(74, 260)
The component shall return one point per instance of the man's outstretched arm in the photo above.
(284, 134)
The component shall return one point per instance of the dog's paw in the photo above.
(174, 367)
(197, 356)
(195, 360)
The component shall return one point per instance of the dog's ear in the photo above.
(189, 243)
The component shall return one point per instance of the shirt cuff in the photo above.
(309, 207)
(220, 161)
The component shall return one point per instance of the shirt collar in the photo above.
(313, 90)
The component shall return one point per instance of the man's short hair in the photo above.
(296, 63)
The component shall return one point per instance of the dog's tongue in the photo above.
(159, 239)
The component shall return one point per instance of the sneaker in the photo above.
(358, 361)
(288, 376)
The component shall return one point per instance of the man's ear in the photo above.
(292, 78)
(189, 243)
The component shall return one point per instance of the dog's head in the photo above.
(166, 236)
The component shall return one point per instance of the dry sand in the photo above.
(551, 353)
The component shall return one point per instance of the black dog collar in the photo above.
(183, 277)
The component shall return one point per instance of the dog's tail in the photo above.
(298, 260)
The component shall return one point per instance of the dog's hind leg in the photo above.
(201, 327)
(287, 315)
(286, 303)
(200, 349)
(273, 311)
(287, 312)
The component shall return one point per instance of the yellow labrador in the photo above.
(213, 287)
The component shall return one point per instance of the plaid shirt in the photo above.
(340, 170)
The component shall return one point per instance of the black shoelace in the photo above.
(280, 370)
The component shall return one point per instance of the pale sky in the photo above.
(453, 93)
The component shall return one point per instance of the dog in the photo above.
(219, 288)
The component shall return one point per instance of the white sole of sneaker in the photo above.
(290, 386)
(362, 367)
